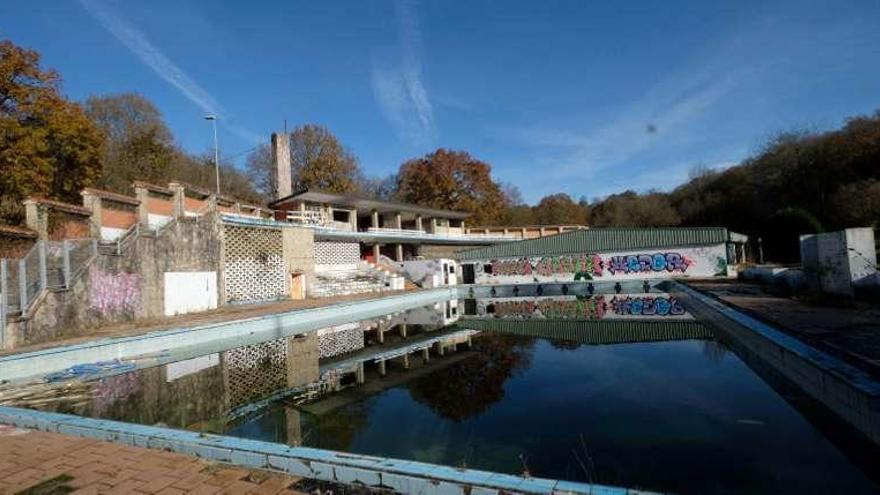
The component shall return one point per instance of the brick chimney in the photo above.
(281, 160)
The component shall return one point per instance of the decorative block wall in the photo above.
(255, 371)
(336, 255)
(255, 269)
(340, 339)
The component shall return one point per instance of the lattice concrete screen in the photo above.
(336, 255)
(340, 339)
(255, 266)
(255, 371)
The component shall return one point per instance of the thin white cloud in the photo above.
(153, 58)
(398, 87)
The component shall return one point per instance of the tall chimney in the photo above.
(281, 160)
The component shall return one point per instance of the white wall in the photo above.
(190, 292)
(692, 261)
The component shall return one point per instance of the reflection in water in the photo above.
(471, 386)
(617, 389)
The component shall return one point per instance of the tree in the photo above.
(629, 209)
(320, 161)
(559, 209)
(260, 170)
(379, 187)
(199, 171)
(452, 180)
(48, 147)
(139, 145)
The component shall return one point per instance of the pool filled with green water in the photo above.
(614, 389)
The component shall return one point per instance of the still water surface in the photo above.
(686, 416)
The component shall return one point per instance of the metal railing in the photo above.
(116, 246)
(308, 217)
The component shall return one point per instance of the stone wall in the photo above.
(122, 288)
(690, 261)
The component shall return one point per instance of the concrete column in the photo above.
(281, 162)
(93, 203)
(559, 229)
(402, 330)
(426, 355)
(470, 342)
(377, 251)
(463, 230)
(523, 233)
(433, 225)
(374, 217)
(440, 350)
(302, 359)
(541, 232)
(406, 361)
(353, 219)
(398, 252)
(419, 222)
(294, 426)
(382, 368)
(36, 218)
(380, 334)
(398, 221)
(179, 191)
(143, 195)
(360, 374)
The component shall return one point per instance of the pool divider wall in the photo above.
(351, 469)
(849, 392)
(35, 364)
(40, 363)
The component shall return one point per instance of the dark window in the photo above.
(487, 268)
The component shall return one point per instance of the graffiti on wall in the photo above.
(114, 292)
(587, 308)
(647, 306)
(589, 266)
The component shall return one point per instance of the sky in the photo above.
(585, 98)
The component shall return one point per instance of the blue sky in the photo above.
(587, 98)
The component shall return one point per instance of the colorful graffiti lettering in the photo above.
(587, 308)
(647, 306)
(112, 293)
(584, 266)
(640, 263)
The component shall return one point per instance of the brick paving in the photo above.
(36, 462)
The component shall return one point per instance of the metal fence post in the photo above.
(41, 252)
(94, 247)
(22, 286)
(4, 299)
(65, 246)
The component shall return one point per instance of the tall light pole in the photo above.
(213, 119)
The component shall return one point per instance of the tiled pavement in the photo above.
(36, 462)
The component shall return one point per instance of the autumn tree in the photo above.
(139, 145)
(629, 209)
(48, 146)
(558, 209)
(320, 160)
(379, 187)
(317, 160)
(452, 180)
(260, 170)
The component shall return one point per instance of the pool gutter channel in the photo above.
(850, 393)
(351, 469)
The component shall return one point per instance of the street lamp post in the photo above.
(213, 119)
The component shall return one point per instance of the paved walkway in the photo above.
(844, 327)
(35, 462)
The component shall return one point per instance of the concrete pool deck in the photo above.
(848, 329)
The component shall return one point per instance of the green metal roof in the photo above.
(594, 332)
(600, 240)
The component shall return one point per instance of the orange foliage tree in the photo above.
(452, 180)
(48, 147)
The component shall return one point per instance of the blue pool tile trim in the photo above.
(353, 469)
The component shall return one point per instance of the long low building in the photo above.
(606, 254)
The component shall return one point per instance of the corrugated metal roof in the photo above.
(600, 240)
(594, 332)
